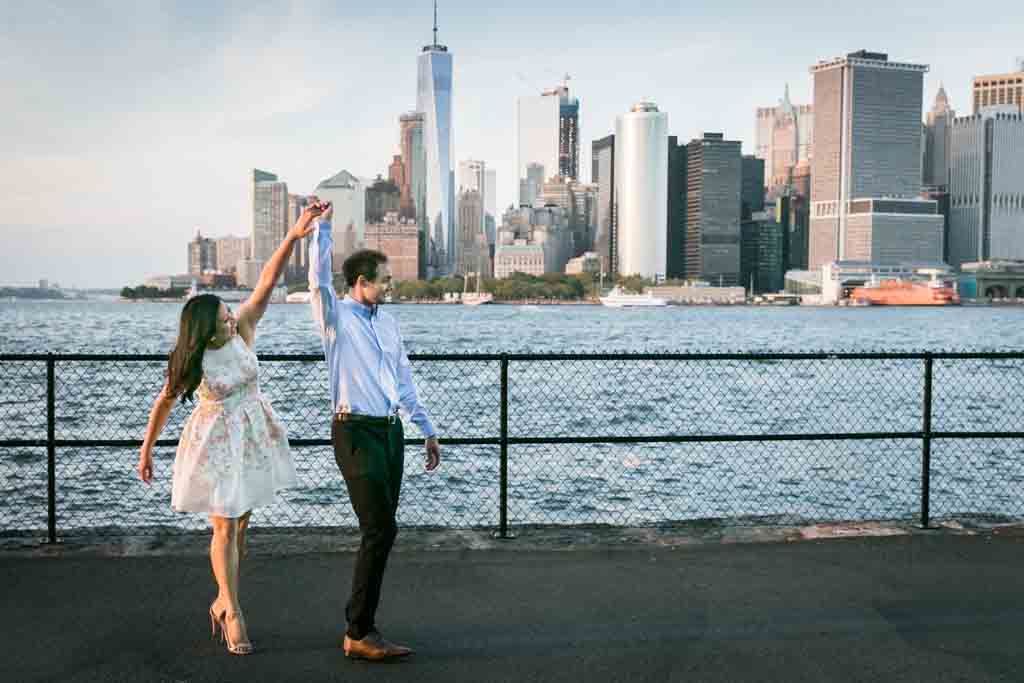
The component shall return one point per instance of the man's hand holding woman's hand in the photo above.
(305, 225)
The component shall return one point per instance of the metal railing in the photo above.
(875, 405)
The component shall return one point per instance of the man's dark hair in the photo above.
(363, 262)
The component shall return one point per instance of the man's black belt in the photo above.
(374, 420)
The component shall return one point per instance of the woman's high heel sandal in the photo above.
(234, 648)
(214, 622)
(220, 620)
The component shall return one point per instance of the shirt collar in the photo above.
(362, 310)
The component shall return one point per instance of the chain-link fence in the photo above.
(622, 439)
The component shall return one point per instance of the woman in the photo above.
(233, 454)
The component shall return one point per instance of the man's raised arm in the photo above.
(321, 287)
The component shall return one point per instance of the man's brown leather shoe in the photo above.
(373, 646)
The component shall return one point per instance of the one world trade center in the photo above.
(434, 100)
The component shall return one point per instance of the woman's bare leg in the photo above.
(224, 560)
(243, 525)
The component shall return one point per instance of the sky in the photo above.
(125, 127)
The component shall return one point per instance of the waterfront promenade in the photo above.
(758, 442)
(698, 604)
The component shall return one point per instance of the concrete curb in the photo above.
(278, 542)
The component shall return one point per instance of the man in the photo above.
(370, 379)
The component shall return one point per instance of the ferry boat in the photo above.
(617, 298)
(898, 292)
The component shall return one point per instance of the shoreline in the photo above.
(967, 303)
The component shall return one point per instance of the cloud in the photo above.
(141, 120)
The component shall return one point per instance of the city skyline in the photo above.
(174, 107)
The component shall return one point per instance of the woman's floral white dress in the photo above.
(233, 455)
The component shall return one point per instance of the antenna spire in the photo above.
(435, 22)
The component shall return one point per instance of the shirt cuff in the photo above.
(426, 427)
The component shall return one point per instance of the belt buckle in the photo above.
(392, 418)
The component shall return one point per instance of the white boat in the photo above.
(620, 299)
(475, 298)
(297, 298)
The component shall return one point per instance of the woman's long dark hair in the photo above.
(198, 326)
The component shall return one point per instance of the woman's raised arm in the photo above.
(252, 310)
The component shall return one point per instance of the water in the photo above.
(562, 483)
(100, 327)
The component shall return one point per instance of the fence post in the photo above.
(503, 485)
(51, 449)
(926, 442)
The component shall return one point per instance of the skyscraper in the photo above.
(752, 192)
(414, 166)
(471, 243)
(413, 198)
(348, 195)
(762, 251)
(606, 227)
(300, 254)
(866, 164)
(568, 132)
(547, 133)
(986, 190)
(997, 89)
(585, 215)
(473, 177)
(558, 191)
(675, 241)
(641, 177)
(579, 202)
(434, 100)
(231, 250)
(396, 173)
(491, 192)
(269, 214)
(491, 206)
(937, 138)
(798, 217)
(202, 255)
(382, 197)
(714, 168)
(784, 136)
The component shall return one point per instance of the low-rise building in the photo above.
(589, 262)
(518, 257)
(996, 279)
(698, 294)
(398, 239)
(183, 281)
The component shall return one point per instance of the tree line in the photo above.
(516, 287)
(144, 292)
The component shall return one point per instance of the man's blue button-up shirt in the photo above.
(368, 366)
